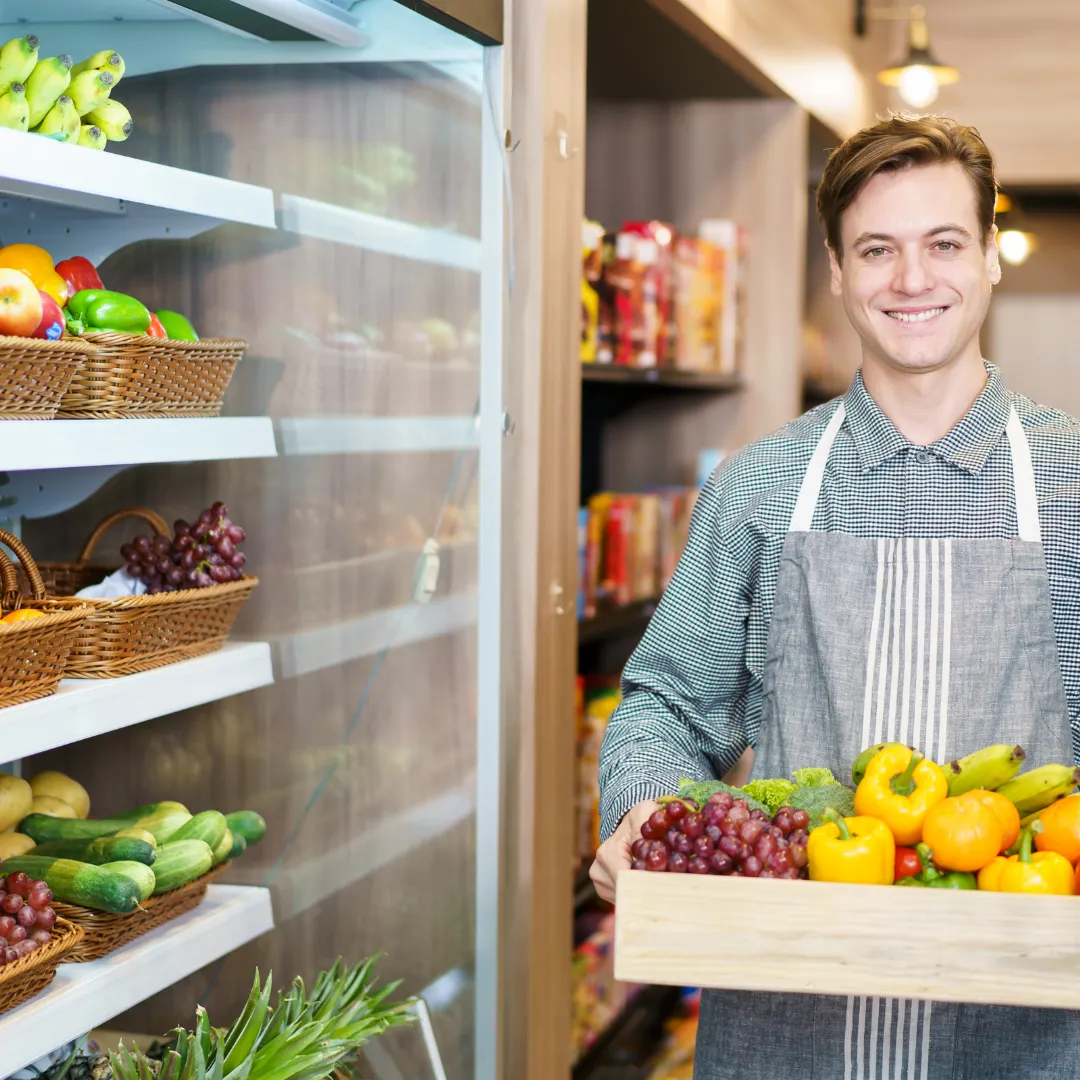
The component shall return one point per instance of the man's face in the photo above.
(915, 279)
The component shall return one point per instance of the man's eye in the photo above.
(874, 253)
(946, 245)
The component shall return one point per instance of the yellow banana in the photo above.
(114, 119)
(17, 59)
(49, 79)
(987, 768)
(89, 90)
(14, 112)
(1036, 790)
(91, 135)
(61, 118)
(107, 60)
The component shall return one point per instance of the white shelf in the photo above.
(354, 228)
(341, 643)
(83, 708)
(77, 201)
(84, 996)
(70, 444)
(305, 436)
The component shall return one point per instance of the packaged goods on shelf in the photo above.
(629, 545)
(597, 699)
(652, 298)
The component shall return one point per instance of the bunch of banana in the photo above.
(997, 768)
(50, 96)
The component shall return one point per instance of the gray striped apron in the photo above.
(944, 644)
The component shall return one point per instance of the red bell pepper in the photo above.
(156, 329)
(79, 273)
(51, 327)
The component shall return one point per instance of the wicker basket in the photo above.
(137, 633)
(35, 375)
(102, 933)
(131, 376)
(34, 652)
(26, 978)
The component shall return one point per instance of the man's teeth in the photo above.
(915, 316)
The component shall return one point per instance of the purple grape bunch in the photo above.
(199, 555)
(725, 837)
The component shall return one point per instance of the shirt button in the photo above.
(923, 458)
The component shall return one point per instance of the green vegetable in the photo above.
(816, 800)
(80, 883)
(103, 850)
(248, 824)
(181, 862)
(813, 777)
(165, 824)
(224, 848)
(42, 828)
(176, 326)
(239, 846)
(700, 791)
(773, 793)
(103, 309)
(138, 872)
(208, 826)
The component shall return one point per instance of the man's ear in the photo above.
(836, 273)
(993, 259)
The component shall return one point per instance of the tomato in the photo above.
(36, 263)
(1003, 809)
(20, 304)
(908, 863)
(51, 327)
(1061, 828)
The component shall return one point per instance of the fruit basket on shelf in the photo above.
(27, 976)
(137, 633)
(36, 634)
(130, 376)
(36, 374)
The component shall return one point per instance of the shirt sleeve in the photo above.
(684, 688)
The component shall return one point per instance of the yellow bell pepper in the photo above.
(854, 850)
(1046, 873)
(900, 788)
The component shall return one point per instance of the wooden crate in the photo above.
(813, 937)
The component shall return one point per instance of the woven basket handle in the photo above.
(155, 521)
(37, 586)
(9, 582)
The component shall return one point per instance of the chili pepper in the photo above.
(900, 787)
(156, 329)
(177, 327)
(1045, 873)
(101, 309)
(79, 273)
(856, 850)
(964, 834)
(908, 863)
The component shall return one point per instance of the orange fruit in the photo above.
(1003, 809)
(1061, 828)
(963, 834)
(22, 614)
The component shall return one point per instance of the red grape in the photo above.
(799, 836)
(759, 815)
(656, 827)
(11, 903)
(678, 863)
(676, 810)
(783, 822)
(18, 883)
(765, 846)
(236, 534)
(27, 917)
(738, 813)
(657, 859)
(751, 830)
(722, 799)
(26, 947)
(797, 854)
(713, 814)
(780, 862)
(639, 848)
(7, 924)
(238, 560)
(684, 845)
(11, 954)
(46, 919)
(227, 550)
(42, 937)
(672, 837)
(17, 935)
(638, 864)
(729, 827)
(751, 866)
(730, 845)
(713, 833)
(40, 896)
(693, 825)
(800, 819)
(219, 509)
(143, 546)
(720, 863)
(703, 846)
(698, 865)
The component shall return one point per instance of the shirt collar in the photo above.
(968, 445)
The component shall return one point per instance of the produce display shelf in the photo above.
(310, 436)
(356, 228)
(661, 378)
(879, 941)
(623, 1047)
(68, 444)
(84, 996)
(83, 708)
(611, 622)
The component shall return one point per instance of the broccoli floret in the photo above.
(700, 791)
(813, 777)
(773, 793)
(816, 800)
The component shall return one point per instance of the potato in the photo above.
(16, 799)
(62, 787)
(46, 804)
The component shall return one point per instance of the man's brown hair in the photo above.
(901, 142)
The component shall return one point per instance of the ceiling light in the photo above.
(1015, 246)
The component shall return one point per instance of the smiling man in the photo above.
(899, 564)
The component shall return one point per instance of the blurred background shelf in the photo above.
(616, 621)
(622, 1051)
(661, 379)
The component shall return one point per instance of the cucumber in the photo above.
(224, 849)
(209, 826)
(42, 828)
(239, 846)
(105, 849)
(180, 863)
(164, 825)
(80, 883)
(247, 824)
(138, 872)
(139, 834)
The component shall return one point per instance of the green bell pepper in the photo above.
(177, 327)
(102, 309)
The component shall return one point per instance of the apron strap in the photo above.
(1027, 502)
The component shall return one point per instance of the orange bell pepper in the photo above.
(1003, 809)
(964, 834)
(1045, 873)
(900, 787)
(1061, 828)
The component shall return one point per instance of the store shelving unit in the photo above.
(616, 622)
(623, 1046)
(83, 996)
(310, 436)
(704, 382)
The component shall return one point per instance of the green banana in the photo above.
(987, 768)
(114, 119)
(14, 111)
(49, 79)
(89, 90)
(107, 60)
(62, 118)
(1037, 789)
(91, 135)
(858, 770)
(17, 59)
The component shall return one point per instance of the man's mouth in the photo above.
(912, 316)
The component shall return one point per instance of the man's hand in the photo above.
(614, 853)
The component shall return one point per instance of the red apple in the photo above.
(52, 324)
(20, 304)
